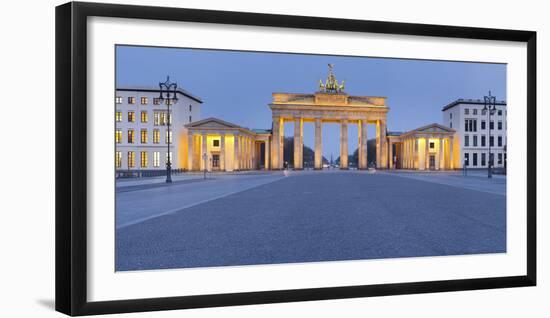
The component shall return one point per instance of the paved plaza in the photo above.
(306, 216)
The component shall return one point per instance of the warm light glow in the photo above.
(118, 159)
(144, 159)
(118, 136)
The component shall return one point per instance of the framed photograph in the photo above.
(209, 158)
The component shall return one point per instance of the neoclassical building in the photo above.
(430, 147)
(214, 144)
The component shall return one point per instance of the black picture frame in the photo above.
(71, 140)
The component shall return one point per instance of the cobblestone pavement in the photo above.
(310, 217)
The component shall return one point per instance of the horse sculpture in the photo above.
(331, 84)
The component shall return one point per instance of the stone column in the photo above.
(298, 143)
(412, 153)
(247, 152)
(344, 144)
(204, 150)
(378, 148)
(406, 153)
(451, 154)
(390, 159)
(236, 153)
(243, 153)
(318, 144)
(426, 154)
(222, 151)
(254, 167)
(363, 138)
(276, 139)
(416, 153)
(440, 163)
(282, 144)
(190, 151)
(266, 154)
(383, 145)
(409, 153)
(253, 141)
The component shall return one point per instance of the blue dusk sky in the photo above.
(236, 86)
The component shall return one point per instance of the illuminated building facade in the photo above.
(216, 145)
(141, 134)
(477, 132)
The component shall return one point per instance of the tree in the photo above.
(353, 159)
(308, 154)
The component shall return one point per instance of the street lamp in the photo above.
(168, 92)
(490, 108)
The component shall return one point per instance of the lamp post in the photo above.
(490, 108)
(168, 92)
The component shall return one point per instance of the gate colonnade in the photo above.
(323, 107)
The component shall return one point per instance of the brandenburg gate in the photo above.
(329, 105)
(214, 144)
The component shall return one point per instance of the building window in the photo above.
(216, 143)
(144, 101)
(499, 156)
(492, 125)
(499, 125)
(474, 159)
(156, 159)
(131, 117)
(168, 137)
(143, 136)
(451, 124)
(483, 125)
(470, 125)
(156, 136)
(130, 136)
(161, 118)
(475, 111)
(168, 157)
(118, 116)
(491, 141)
(156, 101)
(466, 159)
(118, 136)
(499, 141)
(131, 159)
(118, 159)
(475, 140)
(156, 118)
(190, 108)
(483, 159)
(144, 116)
(466, 111)
(466, 141)
(144, 162)
(432, 145)
(483, 140)
(118, 100)
(499, 112)
(190, 119)
(131, 100)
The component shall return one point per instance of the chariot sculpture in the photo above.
(331, 84)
